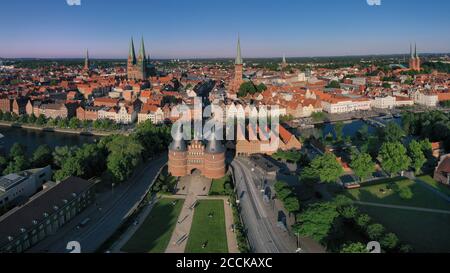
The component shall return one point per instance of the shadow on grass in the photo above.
(153, 236)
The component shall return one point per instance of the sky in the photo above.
(209, 28)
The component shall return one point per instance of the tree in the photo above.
(61, 154)
(17, 164)
(291, 204)
(405, 193)
(375, 231)
(392, 133)
(74, 123)
(317, 222)
(125, 153)
(363, 221)
(261, 87)
(390, 241)
(394, 158)
(362, 165)
(339, 130)
(17, 150)
(334, 84)
(247, 88)
(354, 248)
(32, 119)
(41, 120)
(417, 156)
(349, 212)
(42, 156)
(327, 168)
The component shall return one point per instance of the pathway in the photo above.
(402, 207)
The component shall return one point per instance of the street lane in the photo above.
(116, 207)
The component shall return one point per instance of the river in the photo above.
(34, 138)
(350, 128)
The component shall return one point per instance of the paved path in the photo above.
(116, 248)
(194, 186)
(402, 207)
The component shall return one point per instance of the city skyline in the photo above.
(302, 29)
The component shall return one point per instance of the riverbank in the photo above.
(79, 132)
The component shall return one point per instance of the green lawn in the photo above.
(422, 197)
(154, 234)
(425, 231)
(430, 181)
(209, 230)
(218, 186)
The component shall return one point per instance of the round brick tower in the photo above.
(214, 159)
(177, 157)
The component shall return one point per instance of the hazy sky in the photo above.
(208, 28)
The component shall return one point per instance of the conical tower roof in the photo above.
(178, 144)
(239, 55)
(132, 54)
(142, 50)
(214, 146)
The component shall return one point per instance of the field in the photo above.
(154, 234)
(208, 230)
(430, 181)
(218, 186)
(425, 231)
(422, 197)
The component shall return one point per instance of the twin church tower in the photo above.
(139, 68)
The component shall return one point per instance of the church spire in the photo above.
(142, 56)
(415, 51)
(411, 50)
(239, 56)
(87, 62)
(132, 54)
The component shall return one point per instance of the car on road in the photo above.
(84, 223)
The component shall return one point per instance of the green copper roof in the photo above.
(142, 50)
(239, 56)
(132, 54)
(415, 51)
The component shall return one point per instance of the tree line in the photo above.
(114, 158)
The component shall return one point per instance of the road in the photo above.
(115, 206)
(260, 220)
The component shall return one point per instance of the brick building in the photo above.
(185, 159)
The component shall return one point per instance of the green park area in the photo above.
(222, 186)
(208, 231)
(154, 234)
(433, 183)
(426, 231)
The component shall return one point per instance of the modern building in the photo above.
(44, 214)
(185, 159)
(23, 185)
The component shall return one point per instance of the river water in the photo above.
(33, 138)
(350, 128)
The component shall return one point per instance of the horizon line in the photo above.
(223, 58)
